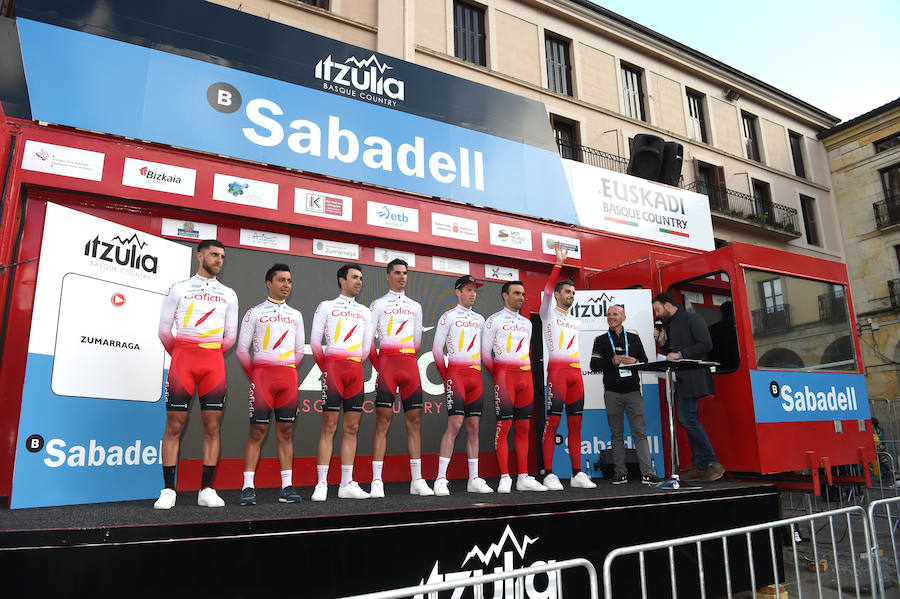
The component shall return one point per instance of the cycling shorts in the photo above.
(565, 388)
(398, 371)
(273, 388)
(465, 392)
(195, 368)
(342, 385)
(513, 393)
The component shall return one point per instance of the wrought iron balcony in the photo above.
(832, 308)
(894, 292)
(771, 320)
(745, 207)
(887, 212)
(592, 156)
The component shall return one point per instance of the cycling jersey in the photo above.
(506, 341)
(204, 312)
(347, 327)
(459, 329)
(560, 329)
(397, 320)
(275, 330)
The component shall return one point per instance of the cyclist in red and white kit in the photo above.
(397, 320)
(347, 327)
(565, 387)
(274, 330)
(204, 313)
(506, 353)
(460, 330)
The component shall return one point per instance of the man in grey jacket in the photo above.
(684, 335)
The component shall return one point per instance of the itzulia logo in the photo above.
(507, 554)
(124, 252)
(594, 308)
(365, 75)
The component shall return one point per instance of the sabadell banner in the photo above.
(92, 403)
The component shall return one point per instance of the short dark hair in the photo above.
(275, 268)
(664, 298)
(562, 284)
(208, 243)
(508, 284)
(342, 271)
(396, 262)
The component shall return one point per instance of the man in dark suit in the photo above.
(684, 335)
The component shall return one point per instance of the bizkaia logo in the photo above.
(124, 252)
(158, 176)
(594, 308)
(506, 555)
(363, 79)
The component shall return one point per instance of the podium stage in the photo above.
(342, 547)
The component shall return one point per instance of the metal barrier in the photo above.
(891, 509)
(766, 531)
(478, 581)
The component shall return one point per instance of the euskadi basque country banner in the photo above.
(92, 403)
(327, 107)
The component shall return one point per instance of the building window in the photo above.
(797, 153)
(633, 92)
(751, 135)
(468, 32)
(883, 145)
(318, 3)
(890, 181)
(808, 208)
(566, 133)
(762, 202)
(559, 67)
(696, 117)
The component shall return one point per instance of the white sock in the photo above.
(322, 471)
(442, 466)
(376, 470)
(287, 478)
(415, 468)
(248, 479)
(473, 469)
(346, 475)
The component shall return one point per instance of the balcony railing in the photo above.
(887, 212)
(894, 292)
(832, 308)
(756, 210)
(771, 320)
(592, 156)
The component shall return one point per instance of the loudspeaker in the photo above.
(670, 171)
(646, 156)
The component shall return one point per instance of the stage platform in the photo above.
(341, 547)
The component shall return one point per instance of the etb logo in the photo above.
(223, 97)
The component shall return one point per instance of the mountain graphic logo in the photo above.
(133, 240)
(496, 549)
(382, 67)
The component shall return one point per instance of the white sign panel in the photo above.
(570, 244)
(445, 225)
(263, 239)
(635, 207)
(323, 205)
(158, 177)
(188, 229)
(501, 273)
(335, 249)
(380, 214)
(238, 190)
(510, 237)
(590, 306)
(62, 160)
(453, 265)
(384, 255)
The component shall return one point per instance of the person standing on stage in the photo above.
(684, 335)
(565, 386)
(204, 314)
(506, 353)
(275, 331)
(460, 329)
(397, 320)
(347, 327)
(622, 393)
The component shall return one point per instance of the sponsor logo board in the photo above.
(158, 177)
(324, 205)
(455, 227)
(570, 244)
(385, 255)
(390, 216)
(780, 396)
(501, 273)
(238, 190)
(336, 249)
(263, 239)
(453, 265)
(62, 160)
(511, 237)
(188, 229)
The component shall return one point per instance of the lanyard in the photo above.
(613, 345)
